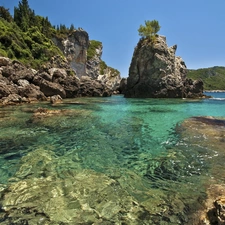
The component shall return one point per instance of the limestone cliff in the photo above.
(74, 47)
(155, 71)
(84, 57)
(97, 68)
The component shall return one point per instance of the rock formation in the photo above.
(75, 48)
(97, 69)
(21, 84)
(156, 72)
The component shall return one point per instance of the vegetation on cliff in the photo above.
(92, 52)
(31, 47)
(213, 77)
(93, 45)
(27, 37)
(149, 30)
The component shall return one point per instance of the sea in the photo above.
(110, 160)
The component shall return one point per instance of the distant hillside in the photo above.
(213, 77)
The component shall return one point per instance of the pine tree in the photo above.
(24, 16)
(4, 13)
(72, 28)
(150, 29)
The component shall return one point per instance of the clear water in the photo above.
(133, 143)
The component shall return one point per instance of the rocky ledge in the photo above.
(53, 81)
(156, 72)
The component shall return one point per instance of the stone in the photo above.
(4, 61)
(220, 210)
(58, 73)
(61, 75)
(108, 76)
(93, 88)
(156, 72)
(11, 99)
(23, 82)
(50, 88)
(71, 85)
(31, 91)
(55, 99)
(122, 86)
(93, 64)
(7, 89)
(75, 48)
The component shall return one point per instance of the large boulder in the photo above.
(4, 61)
(93, 88)
(31, 91)
(156, 72)
(50, 89)
(71, 85)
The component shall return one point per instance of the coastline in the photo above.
(214, 91)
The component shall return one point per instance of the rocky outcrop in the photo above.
(111, 78)
(97, 69)
(94, 61)
(75, 48)
(122, 86)
(21, 84)
(156, 72)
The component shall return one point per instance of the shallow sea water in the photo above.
(105, 161)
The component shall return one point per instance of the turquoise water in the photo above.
(132, 143)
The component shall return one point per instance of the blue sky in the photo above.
(196, 26)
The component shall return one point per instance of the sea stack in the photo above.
(155, 72)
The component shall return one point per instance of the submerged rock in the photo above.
(209, 134)
(44, 192)
(156, 72)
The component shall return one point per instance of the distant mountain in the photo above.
(213, 77)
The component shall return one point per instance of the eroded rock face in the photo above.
(93, 64)
(75, 48)
(155, 72)
(107, 75)
(111, 78)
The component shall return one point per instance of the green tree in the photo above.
(46, 27)
(150, 29)
(72, 28)
(4, 13)
(24, 16)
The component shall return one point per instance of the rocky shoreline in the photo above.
(214, 91)
(55, 81)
